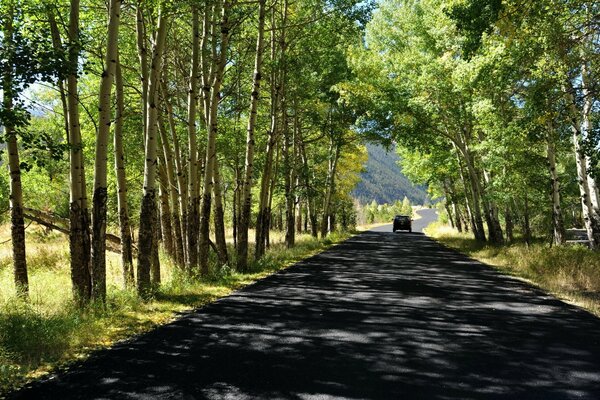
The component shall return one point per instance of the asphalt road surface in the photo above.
(381, 316)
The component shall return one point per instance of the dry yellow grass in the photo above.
(571, 273)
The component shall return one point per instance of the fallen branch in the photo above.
(62, 225)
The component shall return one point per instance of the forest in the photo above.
(174, 123)
(182, 140)
(494, 105)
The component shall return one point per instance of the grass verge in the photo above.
(571, 273)
(48, 332)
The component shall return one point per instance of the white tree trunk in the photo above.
(100, 166)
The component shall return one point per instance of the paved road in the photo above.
(381, 316)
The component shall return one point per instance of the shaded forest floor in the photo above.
(571, 273)
(49, 331)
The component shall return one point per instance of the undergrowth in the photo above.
(569, 272)
(49, 331)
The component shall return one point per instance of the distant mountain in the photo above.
(383, 180)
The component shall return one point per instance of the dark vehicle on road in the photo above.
(402, 222)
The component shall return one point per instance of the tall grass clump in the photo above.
(49, 330)
(569, 272)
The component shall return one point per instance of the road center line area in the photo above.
(381, 316)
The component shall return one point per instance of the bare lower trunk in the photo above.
(171, 188)
(145, 241)
(155, 266)
(559, 234)
(330, 185)
(16, 216)
(166, 227)
(526, 225)
(181, 183)
(509, 225)
(219, 217)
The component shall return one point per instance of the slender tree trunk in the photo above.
(171, 184)
(194, 201)
(468, 198)
(509, 225)
(526, 224)
(155, 263)
(334, 152)
(99, 209)
(269, 214)
(142, 48)
(166, 226)
(211, 151)
(181, 181)
(57, 47)
(148, 209)
(262, 225)
(126, 247)
(310, 202)
(244, 223)
(219, 217)
(559, 234)
(298, 202)
(79, 237)
(16, 191)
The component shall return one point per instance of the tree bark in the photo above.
(171, 184)
(219, 217)
(244, 223)
(100, 198)
(148, 209)
(125, 229)
(211, 151)
(263, 217)
(16, 191)
(140, 30)
(334, 152)
(193, 190)
(559, 234)
(79, 238)
(181, 179)
(166, 226)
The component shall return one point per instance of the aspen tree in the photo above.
(100, 171)
(246, 200)
(193, 218)
(148, 212)
(79, 235)
(211, 151)
(16, 191)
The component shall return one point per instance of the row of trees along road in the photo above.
(213, 115)
(494, 103)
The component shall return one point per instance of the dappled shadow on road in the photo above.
(382, 316)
